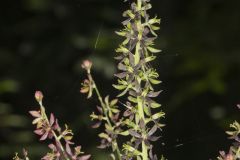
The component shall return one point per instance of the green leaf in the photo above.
(114, 110)
(124, 92)
(110, 114)
(128, 13)
(122, 49)
(154, 81)
(106, 100)
(108, 127)
(160, 125)
(155, 105)
(152, 30)
(155, 28)
(129, 123)
(123, 82)
(147, 110)
(121, 33)
(153, 50)
(119, 87)
(154, 20)
(158, 115)
(124, 133)
(131, 149)
(126, 41)
(145, 92)
(147, 7)
(103, 135)
(150, 58)
(113, 102)
(132, 99)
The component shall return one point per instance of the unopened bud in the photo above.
(87, 65)
(38, 96)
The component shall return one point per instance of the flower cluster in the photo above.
(137, 78)
(48, 128)
(234, 151)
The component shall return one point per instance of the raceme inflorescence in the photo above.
(135, 81)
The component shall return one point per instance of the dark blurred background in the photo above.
(43, 43)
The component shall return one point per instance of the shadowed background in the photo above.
(43, 43)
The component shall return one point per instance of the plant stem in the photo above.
(142, 117)
(139, 98)
(105, 111)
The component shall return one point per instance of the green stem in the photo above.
(105, 111)
(139, 99)
(142, 117)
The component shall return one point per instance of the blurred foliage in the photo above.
(44, 42)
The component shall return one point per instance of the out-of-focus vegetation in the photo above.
(44, 42)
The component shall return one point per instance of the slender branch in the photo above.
(105, 108)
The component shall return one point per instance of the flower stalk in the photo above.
(106, 112)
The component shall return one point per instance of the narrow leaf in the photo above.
(158, 115)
